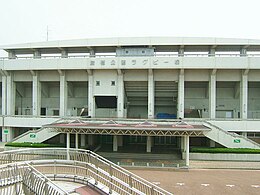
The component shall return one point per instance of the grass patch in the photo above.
(226, 150)
(34, 145)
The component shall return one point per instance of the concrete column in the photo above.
(76, 140)
(37, 54)
(10, 96)
(63, 94)
(82, 140)
(244, 134)
(4, 94)
(91, 103)
(120, 140)
(120, 94)
(115, 143)
(7, 134)
(150, 94)
(183, 145)
(178, 140)
(36, 93)
(62, 138)
(187, 150)
(64, 54)
(90, 140)
(212, 94)
(149, 144)
(181, 94)
(212, 144)
(243, 94)
(68, 146)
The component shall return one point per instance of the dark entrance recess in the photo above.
(106, 101)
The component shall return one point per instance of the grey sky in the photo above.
(27, 20)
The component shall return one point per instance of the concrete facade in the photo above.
(203, 78)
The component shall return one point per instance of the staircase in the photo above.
(229, 140)
(36, 136)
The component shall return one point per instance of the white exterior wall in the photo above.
(66, 98)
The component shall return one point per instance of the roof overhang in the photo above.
(110, 44)
(141, 128)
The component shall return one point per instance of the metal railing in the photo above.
(22, 178)
(84, 166)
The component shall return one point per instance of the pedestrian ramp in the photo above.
(227, 139)
(36, 136)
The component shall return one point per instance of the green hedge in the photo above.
(33, 145)
(226, 150)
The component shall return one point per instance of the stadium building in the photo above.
(157, 94)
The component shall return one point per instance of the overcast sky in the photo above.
(27, 20)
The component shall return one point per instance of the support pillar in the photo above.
(244, 134)
(181, 94)
(212, 94)
(4, 94)
(115, 143)
(68, 146)
(120, 94)
(36, 94)
(120, 140)
(187, 150)
(149, 144)
(90, 140)
(63, 93)
(82, 140)
(76, 140)
(10, 95)
(7, 134)
(183, 145)
(150, 94)
(62, 138)
(91, 100)
(212, 144)
(244, 94)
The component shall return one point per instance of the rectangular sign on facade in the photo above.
(32, 135)
(6, 131)
(237, 141)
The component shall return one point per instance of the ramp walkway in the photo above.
(227, 139)
(34, 170)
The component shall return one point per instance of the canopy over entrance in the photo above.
(129, 127)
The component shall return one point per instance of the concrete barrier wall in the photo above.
(224, 157)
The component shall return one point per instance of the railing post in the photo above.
(10, 158)
(75, 170)
(152, 190)
(46, 187)
(55, 170)
(131, 183)
(111, 180)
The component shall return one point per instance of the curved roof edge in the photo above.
(134, 41)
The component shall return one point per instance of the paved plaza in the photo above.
(205, 181)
